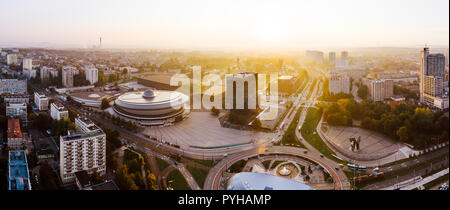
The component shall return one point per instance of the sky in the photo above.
(225, 24)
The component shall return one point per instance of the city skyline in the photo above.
(224, 25)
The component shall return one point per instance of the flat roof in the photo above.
(18, 178)
(91, 96)
(159, 78)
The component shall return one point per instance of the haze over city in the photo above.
(202, 24)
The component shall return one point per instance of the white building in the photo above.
(315, 56)
(84, 150)
(67, 75)
(339, 83)
(91, 74)
(14, 110)
(16, 98)
(58, 111)
(27, 64)
(41, 101)
(11, 59)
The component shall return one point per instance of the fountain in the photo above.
(285, 171)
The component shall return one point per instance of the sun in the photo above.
(270, 31)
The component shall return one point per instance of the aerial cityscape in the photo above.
(215, 96)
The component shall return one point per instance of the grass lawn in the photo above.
(178, 181)
(208, 163)
(162, 164)
(289, 138)
(198, 174)
(309, 133)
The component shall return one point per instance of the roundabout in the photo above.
(215, 179)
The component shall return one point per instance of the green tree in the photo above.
(402, 133)
(105, 104)
(363, 92)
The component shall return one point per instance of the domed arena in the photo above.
(152, 107)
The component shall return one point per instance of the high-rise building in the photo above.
(11, 59)
(17, 109)
(381, 89)
(84, 150)
(315, 56)
(18, 173)
(67, 75)
(339, 83)
(58, 111)
(332, 59)
(27, 64)
(432, 73)
(15, 137)
(46, 72)
(41, 101)
(91, 74)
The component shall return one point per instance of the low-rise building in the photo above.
(41, 101)
(19, 109)
(58, 111)
(15, 137)
(17, 98)
(18, 173)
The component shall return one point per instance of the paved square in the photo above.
(204, 130)
(371, 142)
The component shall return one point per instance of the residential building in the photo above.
(339, 83)
(16, 98)
(332, 59)
(84, 150)
(67, 75)
(58, 111)
(315, 56)
(41, 101)
(11, 59)
(91, 74)
(13, 86)
(15, 137)
(15, 109)
(18, 173)
(381, 89)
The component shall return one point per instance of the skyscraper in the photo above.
(91, 74)
(332, 58)
(432, 72)
(67, 76)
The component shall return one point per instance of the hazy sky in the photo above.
(230, 24)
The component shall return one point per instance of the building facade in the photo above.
(17, 109)
(91, 74)
(41, 101)
(84, 150)
(432, 75)
(381, 89)
(58, 111)
(13, 86)
(67, 76)
(11, 59)
(339, 83)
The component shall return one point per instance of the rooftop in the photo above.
(107, 185)
(18, 178)
(14, 128)
(257, 181)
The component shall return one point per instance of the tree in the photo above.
(124, 180)
(151, 180)
(105, 103)
(363, 92)
(402, 133)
